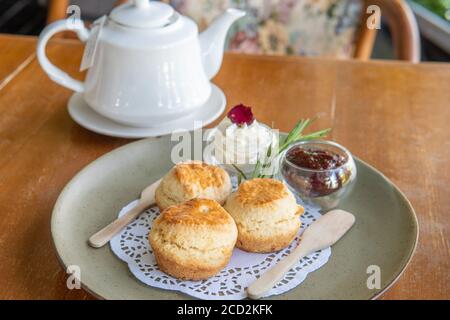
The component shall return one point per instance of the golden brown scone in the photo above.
(193, 240)
(191, 180)
(266, 214)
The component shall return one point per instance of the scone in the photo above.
(191, 180)
(266, 214)
(193, 240)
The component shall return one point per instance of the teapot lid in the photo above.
(143, 14)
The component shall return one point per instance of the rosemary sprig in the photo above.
(312, 136)
(257, 167)
(296, 135)
(241, 174)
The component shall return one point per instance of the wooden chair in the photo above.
(398, 15)
(57, 9)
(402, 24)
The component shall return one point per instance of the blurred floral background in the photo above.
(304, 27)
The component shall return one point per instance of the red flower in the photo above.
(241, 115)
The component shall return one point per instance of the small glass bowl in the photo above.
(324, 188)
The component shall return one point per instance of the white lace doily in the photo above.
(131, 246)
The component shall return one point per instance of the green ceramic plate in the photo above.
(385, 233)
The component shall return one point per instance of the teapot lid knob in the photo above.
(141, 3)
(143, 14)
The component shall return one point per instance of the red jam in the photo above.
(315, 159)
(319, 172)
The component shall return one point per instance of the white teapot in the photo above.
(150, 65)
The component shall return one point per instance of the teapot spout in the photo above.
(212, 40)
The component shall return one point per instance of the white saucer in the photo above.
(82, 114)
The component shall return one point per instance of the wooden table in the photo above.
(393, 115)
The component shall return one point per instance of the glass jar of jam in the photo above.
(320, 172)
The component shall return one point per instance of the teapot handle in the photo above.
(53, 72)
